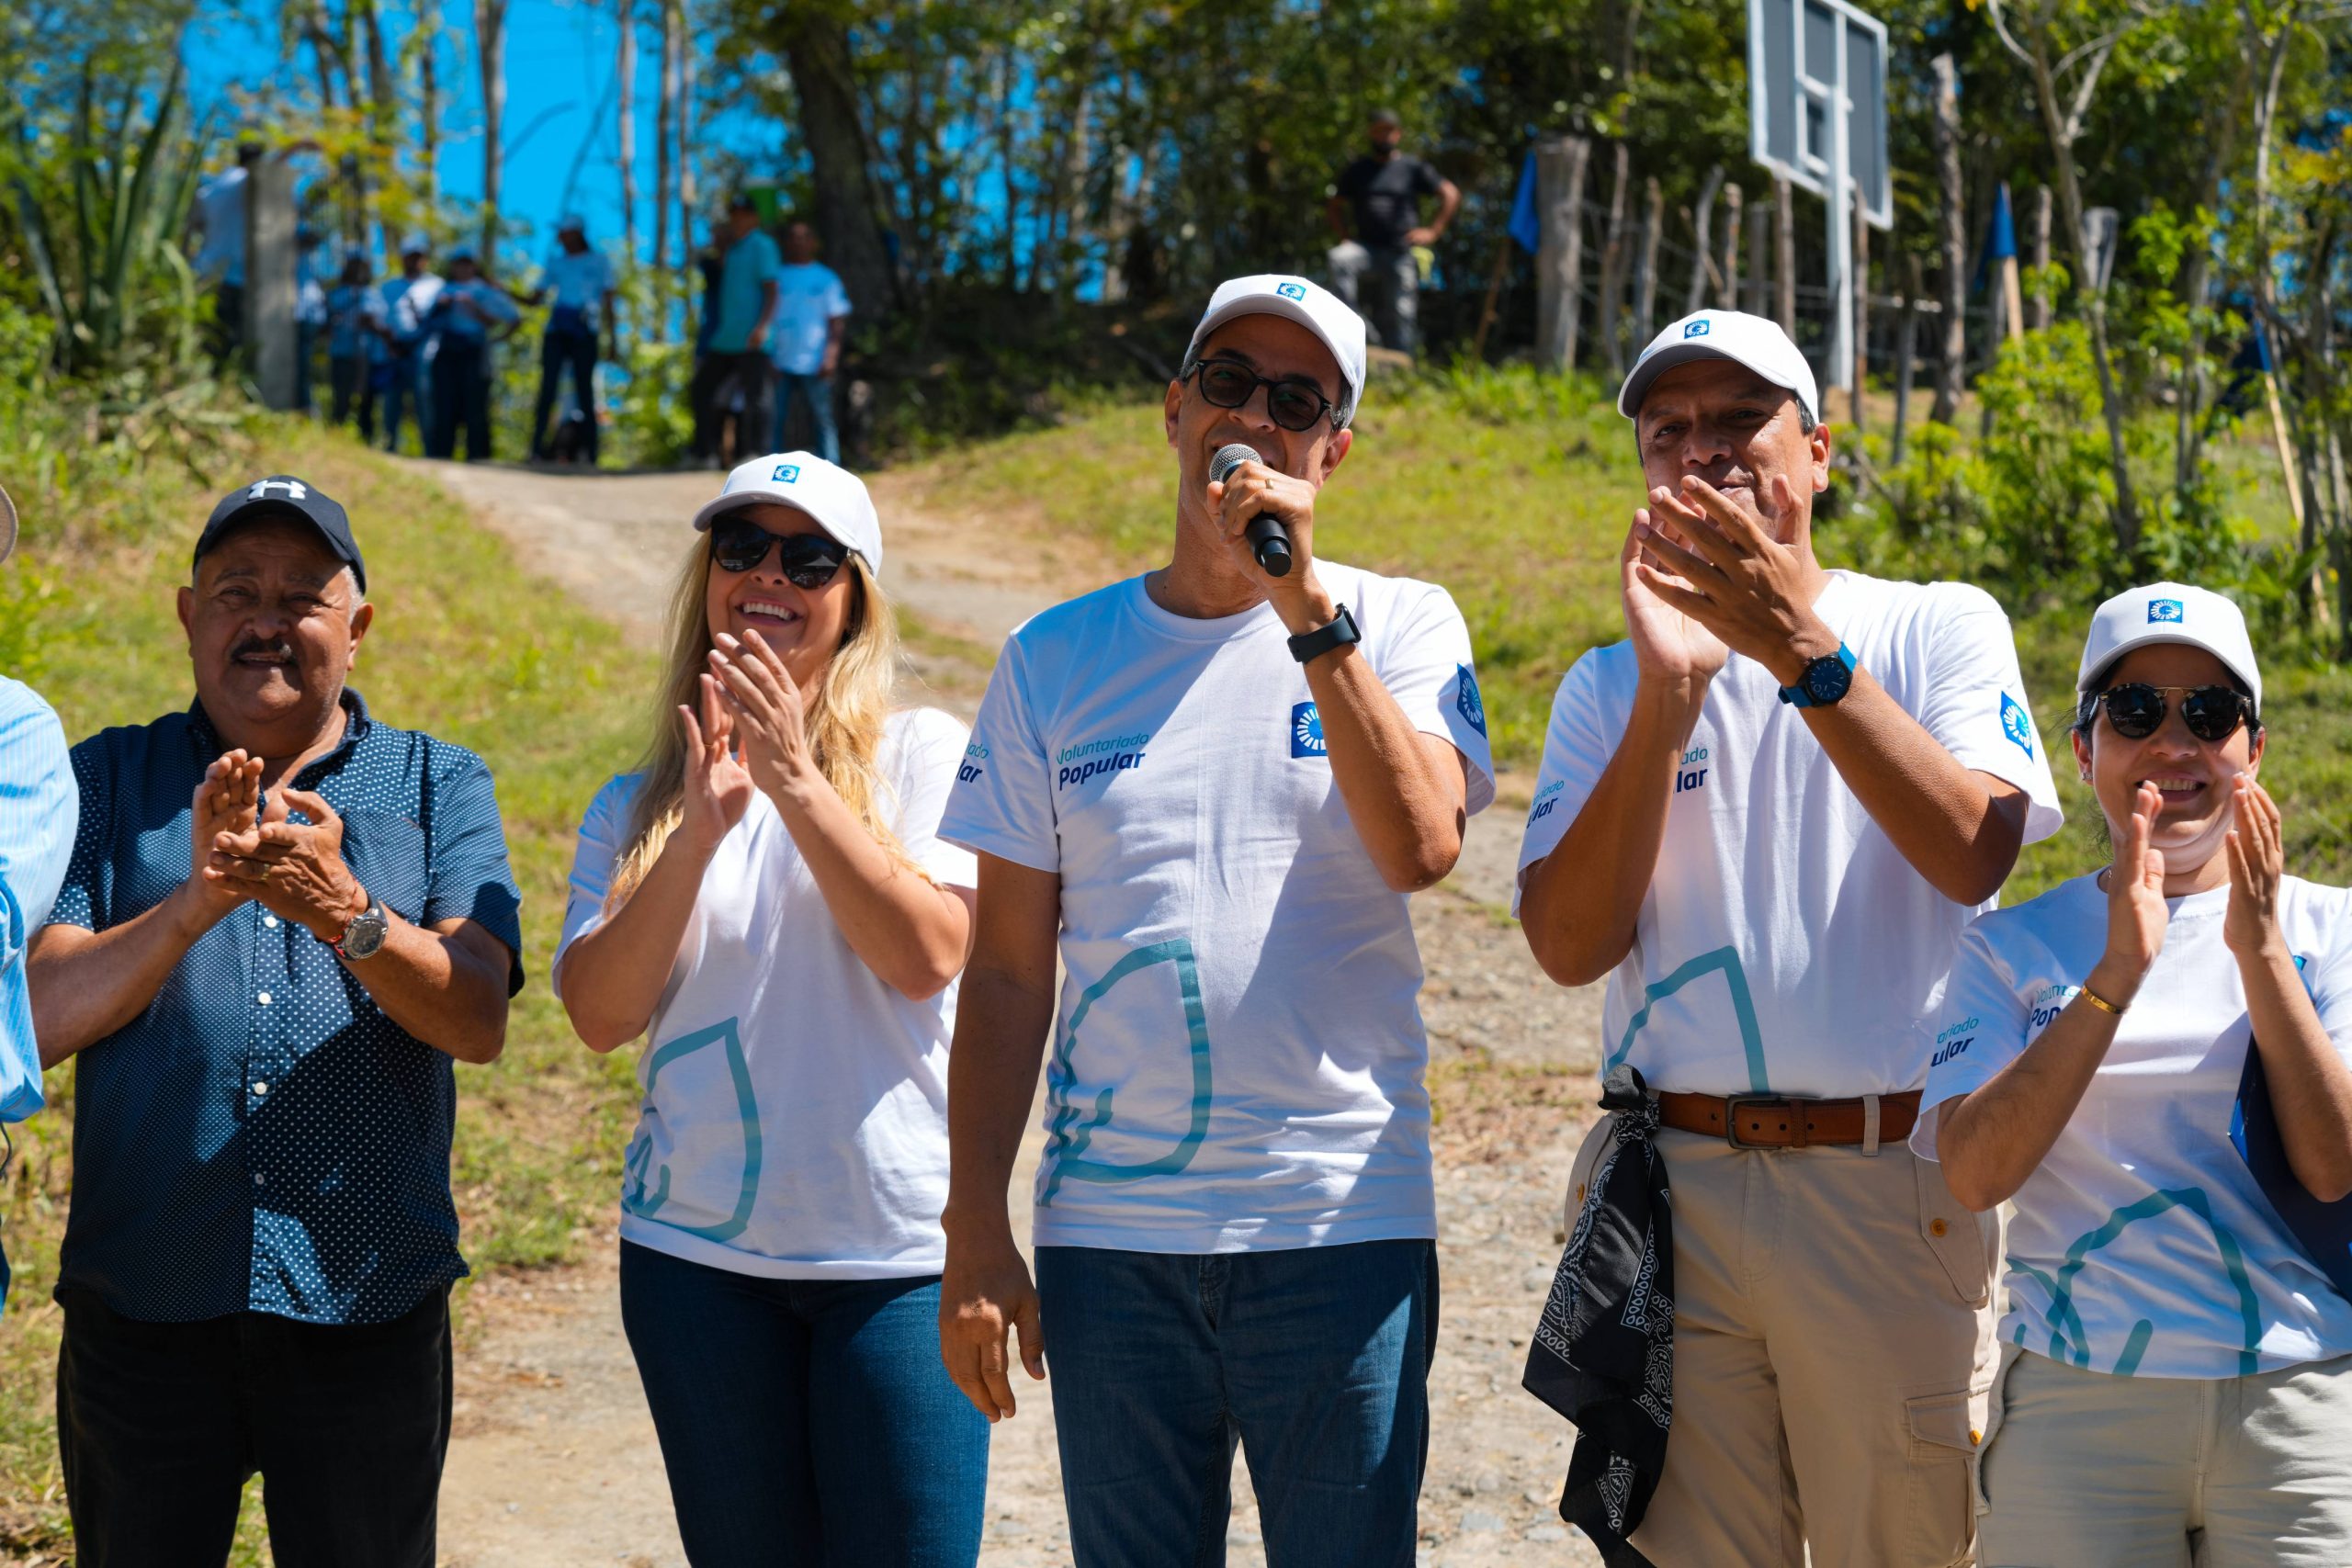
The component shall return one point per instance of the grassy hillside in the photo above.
(1515, 492)
(464, 646)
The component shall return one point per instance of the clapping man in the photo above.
(38, 808)
(283, 922)
(1214, 786)
(1765, 817)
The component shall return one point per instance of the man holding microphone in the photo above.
(1216, 784)
(1766, 815)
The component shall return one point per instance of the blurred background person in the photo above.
(731, 379)
(408, 339)
(1380, 194)
(580, 326)
(768, 902)
(355, 324)
(813, 317)
(468, 316)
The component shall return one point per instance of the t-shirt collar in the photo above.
(1194, 628)
(356, 725)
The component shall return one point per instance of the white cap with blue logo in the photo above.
(1312, 305)
(2169, 612)
(1734, 336)
(826, 492)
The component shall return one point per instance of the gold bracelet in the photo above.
(2101, 1002)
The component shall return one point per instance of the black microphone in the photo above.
(1268, 538)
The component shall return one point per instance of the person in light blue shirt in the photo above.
(733, 374)
(408, 339)
(811, 319)
(468, 315)
(581, 279)
(39, 809)
(355, 320)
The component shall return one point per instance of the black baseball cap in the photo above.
(283, 495)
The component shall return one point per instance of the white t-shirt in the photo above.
(579, 282)
(408, 302)
(795, 1115)
(809, 294)
(2143, 1218)
(1785, 945)
(1239, 1060)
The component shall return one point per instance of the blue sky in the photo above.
(560, 61)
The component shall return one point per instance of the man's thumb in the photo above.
(1032, 1324)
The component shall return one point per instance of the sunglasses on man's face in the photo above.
(807, 560)
(2211, 713)
(1294, 404)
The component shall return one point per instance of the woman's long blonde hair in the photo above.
(845, 720)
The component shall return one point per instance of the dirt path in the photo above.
(553, 1461)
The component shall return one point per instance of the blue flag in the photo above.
(1524, 226)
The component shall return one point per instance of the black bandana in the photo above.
(1603, 1354)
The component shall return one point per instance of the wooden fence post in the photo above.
(1784, 254)
(1612, 272)
(1560, 165)
(1702, 256)
(1645, 273)
(1727, 289)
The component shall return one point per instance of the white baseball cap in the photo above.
(826, 492)
(1309, 304)
(416, 245)
(2169, 612)
(572, 223)
(1752, 341)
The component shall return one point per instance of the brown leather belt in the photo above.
(1778, 1121)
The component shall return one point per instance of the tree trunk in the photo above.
(1645, 278)
(1905, 352)
(815, 45)
(627, 124)
(1561, 163)
(689, 128)
(1728, 287)
(2188, 428)
(1759, 259)
(1612, 271)
(1951, 367)
(1008, 151)
(1861, 325)
(428, 92)
(1702, 256)
(2039, 317)
(665, 153)
(1784, 254)
(490, 40)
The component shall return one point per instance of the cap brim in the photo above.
(1280, 305)
(2086, 680)
(1637, 385)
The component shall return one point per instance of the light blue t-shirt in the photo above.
(579, 282)
(751, 262)
(808, 299)
(2142, 1244)
(352, 307)
(452, 320)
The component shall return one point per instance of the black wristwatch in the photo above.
(1825, 680)
(1311, 645)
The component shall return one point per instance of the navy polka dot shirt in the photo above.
(263, 1137)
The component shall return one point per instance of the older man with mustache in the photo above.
(282, 922)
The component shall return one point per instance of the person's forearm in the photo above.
(2311, 1088)
(1001, 1018)
(1449, 202)
(913, 934)
(85, 985)
(1996, 1137)
(440, 989)
(1580, 904)
(1409, 815)
(612, 978)
(1335, 213)
(1939, 816)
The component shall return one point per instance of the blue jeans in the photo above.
(805, 1421)
(1314, 1360)
(404, 393)
(817, 391)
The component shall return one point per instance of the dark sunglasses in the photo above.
(2135, 709)
(1293, 404)
(808, 560)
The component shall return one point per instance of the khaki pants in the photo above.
(1833, 1358)
(2089, 1469)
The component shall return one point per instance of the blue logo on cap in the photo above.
(2171, 611)
(1290, 290)
(1697, 329)
(1307, 732)
(2017, 724)
(786, 473)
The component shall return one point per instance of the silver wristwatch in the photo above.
(364, 937)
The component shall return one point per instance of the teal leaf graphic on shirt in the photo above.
(1726, 962)
(2066, 1323)
(1066, 1143)
(645, 1198)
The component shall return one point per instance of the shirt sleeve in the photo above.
(836, 298)
(1980, 1031)
(1425, 663)
(470, 878)
(1427, 181)
(602, 832)
(1976, 706)
(932, 751)
(1574, 752)
(1002, 801)
(82, 898)
(39, 811)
